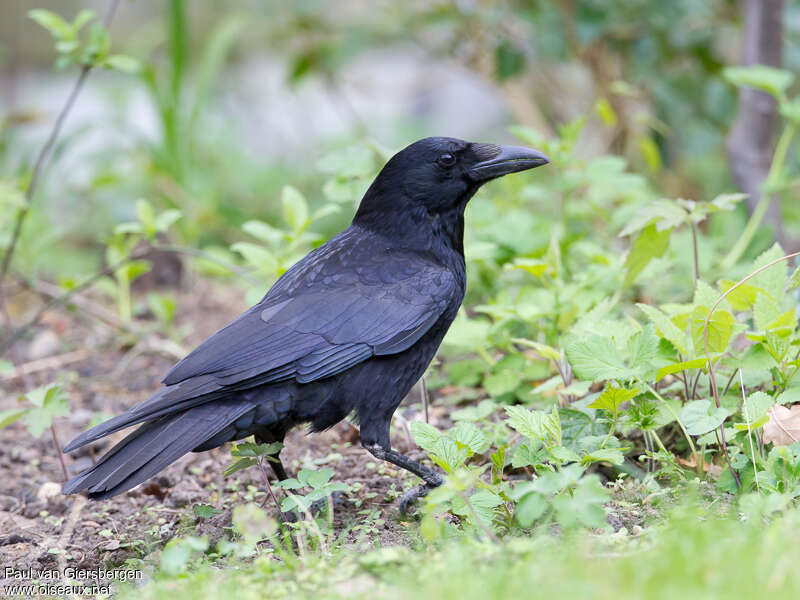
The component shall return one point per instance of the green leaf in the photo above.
(611, 455)
(743, 297)
(794, 281)
(535, 424)
(764, 311)
(596, 358)
(166, 219)
(146, 215)
(52, 22)
(650, 244)
(667, 329)
(205, 511)
(121, 62)
(257, 256)
(7, 417)
(48, 402)
(318, 479)
(770, 280)
(612, 397)
(697, 363)
(531, 507)
(756, 407)
(663, 214)
(425, 436)
(643, 350)
(295, 208)
(761, 77)
(242, 463)
(720, 329)
(701, 416)
(501, 383)
(264, 232)
(470, 436)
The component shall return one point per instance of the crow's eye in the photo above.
(446, 160)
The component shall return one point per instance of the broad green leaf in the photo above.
(535, 424)
(531, 507)
(651, 243)
(596, 358)
(756, 407)
(643, 350)
(772, 279)
(720, 329)
(705, 295)
(470, 436)
(667, 329)
(612, 397)
(701, 416)
(743, 297)
(697, 363)
(425, 436)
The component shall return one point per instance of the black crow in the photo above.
(348, 329)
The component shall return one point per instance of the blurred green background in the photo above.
(236, 99)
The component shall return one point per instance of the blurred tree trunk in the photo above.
(750, 144)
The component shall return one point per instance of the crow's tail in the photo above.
(155, 445)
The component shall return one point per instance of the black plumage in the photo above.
(348, 329)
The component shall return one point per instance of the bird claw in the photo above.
(411, 496)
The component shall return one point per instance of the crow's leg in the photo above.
(431, 478)
(269, 436)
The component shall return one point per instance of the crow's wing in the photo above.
(337, 307)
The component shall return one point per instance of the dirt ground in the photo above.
(107, 372)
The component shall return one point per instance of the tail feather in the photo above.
(155, 445)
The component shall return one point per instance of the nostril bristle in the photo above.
(485, 151)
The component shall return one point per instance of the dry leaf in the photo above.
(708, 467)
(783, 427)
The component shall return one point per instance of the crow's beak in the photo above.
(502, 160)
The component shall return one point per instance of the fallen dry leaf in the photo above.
(708, 467)
(783, 427)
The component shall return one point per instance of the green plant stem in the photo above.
(652, 390)
(778, 160)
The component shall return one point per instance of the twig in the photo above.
(43, 154)
(20, 331)
(43, 364)
(711, 375)
(58, 451)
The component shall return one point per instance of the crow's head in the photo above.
(440, 175)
